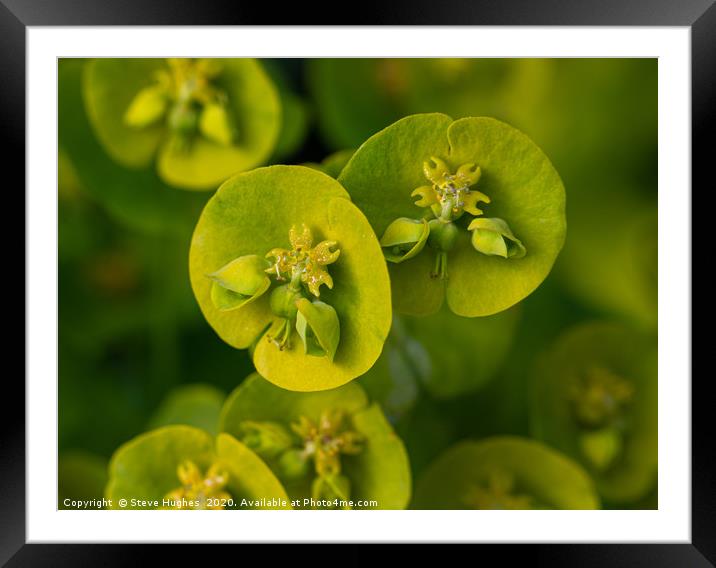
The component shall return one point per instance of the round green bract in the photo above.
(551, 478)
(111, 84)
(252, 213)
(524, 188)
(380, 471)
(145, 468)
(631, 356)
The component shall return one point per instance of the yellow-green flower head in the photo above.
(326, 440)
(600, 396)
(450, 193)
(184, 95)
(303, 263)
(199, 491)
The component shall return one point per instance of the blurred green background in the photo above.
(130, 331)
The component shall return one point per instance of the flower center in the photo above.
(199, 491)
(600, 397)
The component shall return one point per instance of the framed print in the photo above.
(433, 279)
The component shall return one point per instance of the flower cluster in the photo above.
(185, 97)
(320, 443)
(199, 491)
(295, 303)
(448, 197)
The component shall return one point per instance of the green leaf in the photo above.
(112, 84)
(145, 468)
(192, 405)
(380, 471)
(523, 187)
(319, 328)
(631, 473)
(529, 469)
(252, 214)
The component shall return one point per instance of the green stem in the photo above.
(440, 270)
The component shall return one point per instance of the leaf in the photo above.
(252, 214)
(631, 356)
(549, 478)
(196, 405)
(381, 471)
(523, 187)
(111, 84)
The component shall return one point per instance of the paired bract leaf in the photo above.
(504, 473)
(523, 188)
(147, 468)
(595, 398)
(137, 121)
(254, 214)
(377, 466)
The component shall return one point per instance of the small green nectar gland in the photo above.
(184, 96)
(448, 197)
(497, 494)
(599, 401)
(198, 491)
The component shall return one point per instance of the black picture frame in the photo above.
(17, 15)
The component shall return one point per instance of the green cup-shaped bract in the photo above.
(318, 327)
(622, 455)
(253, 213)
(111, 87)
(524, 468)
(145, 468)
(240, 282)
(494, 237)
(524, 189)
(404, 238)
(380, 471)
